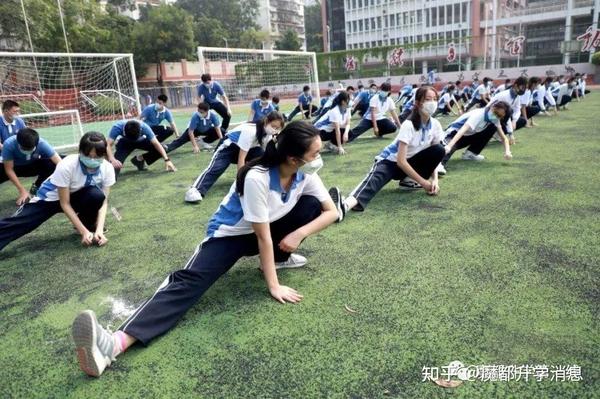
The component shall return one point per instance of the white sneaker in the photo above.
(441, 170)
(204, 146)
(471, 156)
(293, 261)
(329, 146)
(94, 345)
(193, 195)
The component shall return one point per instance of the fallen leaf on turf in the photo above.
(116, 214)
(446, 383)
(349, 309)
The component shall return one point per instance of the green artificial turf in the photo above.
(501, 268)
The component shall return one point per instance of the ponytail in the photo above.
(260, 125)
(294, 141)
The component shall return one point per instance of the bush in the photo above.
(30, 107)
(106, 106)
(596, 58)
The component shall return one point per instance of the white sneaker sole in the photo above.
(294, 266)
(91, 360)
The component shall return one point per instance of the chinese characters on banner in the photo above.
(397, 57)
(451, 53)
(350, 64)
(514, 45)
(590, 39)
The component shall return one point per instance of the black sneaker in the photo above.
(33, 190)
(336, 196)
(140, 165)
(409, 185)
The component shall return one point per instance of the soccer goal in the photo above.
(66, 94)
(245, 72)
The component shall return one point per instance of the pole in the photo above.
(485, 40)
(62, 22)
(135, 86)
(494, 38)
(118, 87)
(37, 73)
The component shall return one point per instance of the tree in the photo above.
(289, 41)
(314, 27)
(167, 35)
(253, 38)
(215, 20)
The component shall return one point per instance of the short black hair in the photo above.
(360, 87)
(206, 77)
(520, 81)
(306, 88)
(486, 79)
(372, 85)
(350, 88)
(93, 141)
(451, 87)
(275, 99)
(8, 104)
(265, 94)
(385, 86)
(327, 92)
(507, 81)
(132, 129)
(203, 107)
(458, 82)
(28, 138)
(163, 98)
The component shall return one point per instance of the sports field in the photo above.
(500, 269)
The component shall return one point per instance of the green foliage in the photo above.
(314, 27)
(218, 19)
(596, 58)
(289, 41)
(30, 107)
(106, 106)
(166, 35)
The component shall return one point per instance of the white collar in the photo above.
(13, 123)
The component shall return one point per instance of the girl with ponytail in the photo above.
(276, 202)
(243, 143)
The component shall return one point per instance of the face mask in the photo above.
(311, 167)
(493, 118)
(27, 152)
(158, 107)
(264, 103)
(383, 95)
(372, 91)
(207, 85)
(271, 131)
(92, 163)
(429, 107)
(307, 93)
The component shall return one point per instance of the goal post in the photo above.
(100, 88)
(62, 129)
(245, 72)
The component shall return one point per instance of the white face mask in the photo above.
(430, 107)
(311, 167)
(271, 131)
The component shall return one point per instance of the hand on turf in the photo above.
(291, 242)
(341, 150)
(435, 188)
(196, 150)
(427, 186)
(285, 294)
(169, 167)
(508, 156)
(376, 131)
(100, 238)
(512, 140)
(116, 164)
(23, 197)
(87, 238)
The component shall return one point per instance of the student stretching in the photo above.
(334, 125)
(474, 130)
(376, 117)
(411, 158)
(242, 144)
(277, 201)
(78, 187)
(24, 155)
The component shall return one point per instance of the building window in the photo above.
(360, 25)
(464, 12)
(448, 14)
(441, 16)
(378, 22)
(354, 26)
(393, 20)
(419, 16)
(379, 43)
(348, 27)
(359, 3)
(434, 16)
(457, 13)
(367, 24)
(427, 22)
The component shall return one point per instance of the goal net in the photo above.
(243, 73)
(64, 95)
